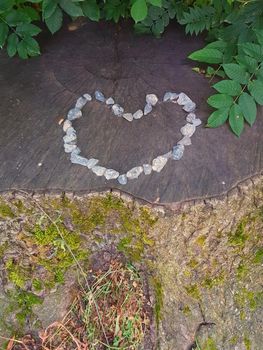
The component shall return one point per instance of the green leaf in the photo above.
(27, 29)
(22, 49)
(212, 56)
(6, 5)
(155, 2)
(91, 10)
(248, 62)
(236, 72)
(54, 22)
(256, 90)
(253, 50)
(3, 33)
(16, 17)
(259, 35)
(139, 10)
(71, 8)
(48, 8)
(219, 45)
(32, 45)
(248, 107)
(218, 118)
(229, 87)
(220, 101)
(12, 42)
(236, 119)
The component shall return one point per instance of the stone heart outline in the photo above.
(158, 163)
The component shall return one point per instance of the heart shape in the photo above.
(158, 163)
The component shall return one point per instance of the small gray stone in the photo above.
(147, 109)
(81, 102)
(122, 179)
(91, 163)
(183, 99)
(67, 124)
(134, 173)
(77, 159)
(70, 139)
(117, 110)
(128, 116)
(185, 141)
(197, 122)
(147, 169)
(99, 96)
(189, 107)
(151, 99)
(167, 155)
(76, 151)
(138, 114)
(74, 113)
(188, 130)
(178, 152)
(111, 174)
(71, 131)
(98, 170)
(110, 101)
(87, 97)
(69, 148)
(190, 117)
(170, 96)
(159, 163)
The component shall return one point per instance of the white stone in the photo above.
(98, 170)
(170, 96)
(185, 141)
(117, 110)
(167, 155)
(70, 139)
(159, 163)
(111, 174)
(99, 96)
(67, 124)
(87, 97)
(147, 169)
(151, 99)
(197, 122)
(77, 159)
(134, 173)
(191, 117)
(147, 109)
(178, 152)
(183, 99)
(110, 101)
(189, 107)
(69, 148)
(188, 130)
(122, 179)
(74, 113)
(128, 116)
(138, 114)
(91, 163)
(81, 102)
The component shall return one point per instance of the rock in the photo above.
(170, 96)
(111, 174)
(69, 148)
(74, 113)
(87, 97)
(91, 163)
(185, 141)
(190, 117)
(134, 173)
(138, 114)
(98, 170)
(122, 179)
(67, 124)
(147, 109)
(81, 102)
(117, 110)
(128, 116)
(167, 155)
(76, 159)
(183, 99)
(71, 131)
(99, 96)
(110, 101)
(151, 99)
(159, 163)
(147, 169)
(188, 130)
(197, 122)
(178, 152)
(76, 151)
(70, 139)
(189, 107)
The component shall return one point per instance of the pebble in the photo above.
(117, 109)
(67, 124)
(151, 99)
(128, 116)
(170, 96)
(147, 109)
(159, 163)
(99, 96)
(178, 152)
(190, 117)
(71, 131)
(110, 101)
(98, 170)
(70, 139)
(188, 130)
(77, 159)
(91, 163)
(167, 155)
(74, 113)
(183, 99)
(189, 107)
(197, 122)
(138, 114)
(76, 151)
(81, 102)
(134, 173)
(87, 97)
(147, 169)
(185, 141)
(111, 174)
(69, 148)
(122, 179)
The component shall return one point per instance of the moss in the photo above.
(233, 340)
(16, 274)
(6, 211)
(3, 248)
(258, 257)
(239, 237)
(158, 294)
(212, 281)
(193, 291)
(37, 284)
(209, 344)
(249, 298)
(193, 263)
(201, 240)
(247, 343)
(186, 310)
